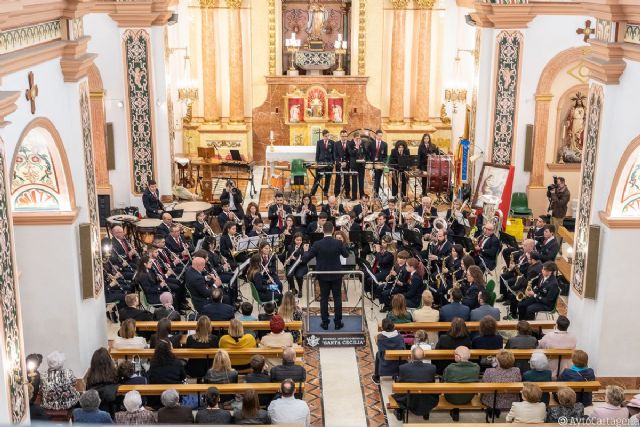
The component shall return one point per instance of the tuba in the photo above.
(438, 224)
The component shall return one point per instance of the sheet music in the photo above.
(343, 260)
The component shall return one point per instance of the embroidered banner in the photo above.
(596, 99)
(138, 81)
(92, 202)
(11, 325)
(506, 95)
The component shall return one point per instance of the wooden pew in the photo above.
(484, 425)
(503, 325)
(476, 354)
(476, 388)
(564, 268)
(191, 326)
(157, 389)
(203, 353)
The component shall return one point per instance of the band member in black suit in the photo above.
(233, 195)
(263, 281)
(228, 215)
(150, 283)
(215, 261)
(397, 281)
(517, 263)
(415, 284)
(380, 228)
(177, 245)
(487, 248)
(532, 276)
(258, 229)
(201, 228)
(358, 154)
(294, 251)
(362, 209)
(166, 274)
(543, 298)
(318, 225)
(196, 284)
(475, 278)
(307, 211)
(332, 208)
(378, 153)
(165, 226)
(327, 252)
(277, 214)
(549, 247)
(452, 272)
(537, 231)
(400, 151)
(253, 213)
(382, 265)
(123, 253)
(440, 249)
(391, 212)
(341, 156)
(426, 205)
(227, 240)
(457, 219)
(324, 155)
(151, 200)
(426, 149)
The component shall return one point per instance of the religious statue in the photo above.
(316, 21)
(294, 113)
(316, 106)
(573, 131)
(337, 113)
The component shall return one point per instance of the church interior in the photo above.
(180, 178)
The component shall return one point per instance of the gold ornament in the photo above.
(443, 116)
(234, 4)
(399, 4)
(207, 3)
(424, 4)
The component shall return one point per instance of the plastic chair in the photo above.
(551, 313)
(520, 204)
(298, 173)
(491, 285)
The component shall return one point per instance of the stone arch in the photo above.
(543, 100)
(98, 122)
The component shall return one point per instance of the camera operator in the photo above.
(559, 196)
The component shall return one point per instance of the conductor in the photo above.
(327, 251)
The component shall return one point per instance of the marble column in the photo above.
(211, 111)
(422, 39)
(396, 96)
(236, 100)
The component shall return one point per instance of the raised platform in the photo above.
(351, 335)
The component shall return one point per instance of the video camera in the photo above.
(554, 185)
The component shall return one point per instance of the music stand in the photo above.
(235, 155)
(412, 237)
(407, 162)
(466, 242)
(176, 213)
(366, 268)
(314, 237)
(509, 240)
(253, 242)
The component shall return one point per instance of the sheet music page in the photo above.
(343, 260)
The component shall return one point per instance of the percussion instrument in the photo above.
(146, 229)
(277, 181)
(193, 206)
(187, 217)
(439, 169)
(314, 165)
(375, 165)
(119, 219)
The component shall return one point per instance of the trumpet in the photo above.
(208, 230)
(233, 217)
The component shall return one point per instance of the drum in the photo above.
(439, 169)
(193, 206)
(277, 181)
(119, 219)
(146, 229)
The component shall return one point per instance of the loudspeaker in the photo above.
(86, 261)
(111, 152)
(591, 267)
(528, 149)
(104, 208)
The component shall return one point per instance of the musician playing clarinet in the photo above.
(123, 251)
(294, 251)
(277, 214)
(333, 209)
(487, 248)
(397, 281)
(341, 156)
(381, 267)
(324, 156)
(398, 152)
(177, 245)
(151, 200)
(517, 264)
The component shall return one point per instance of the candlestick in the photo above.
(344, 44)
(271, 140)
(339, 37)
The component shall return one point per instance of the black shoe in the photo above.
(501, 299)
(300, 294)
(425, 416)
(399, 413)
(507, 317)
(487, 416)
(455, 414)
(376, 380)
(324, 325)
(339, 325)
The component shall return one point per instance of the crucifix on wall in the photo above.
(32, 93)
(586, 31)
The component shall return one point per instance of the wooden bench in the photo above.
(191, 326)
(564, 268)
(157, 389)
(480, 388)
(477, 354)
(484, 424)
(203, 353)
(503, 325)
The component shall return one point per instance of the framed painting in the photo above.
(492, 182)
(316, 104)
(294, 107)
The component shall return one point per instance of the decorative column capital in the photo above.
(234, 4)
(400, 4)
(424, 4)
(204, 4)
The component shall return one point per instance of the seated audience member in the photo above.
(579, 371)
(399, 312)
(633, 406)
(416, 371)
(102, 376)
(246, 310)
(427, 314)
(567, 409)
(489, 339)
(237, 339)
(505, 372)
(539, 371)
(290, 312)
(277, 338)
(530, 409)
(522, 340)
(172, 412)
(202, 338)
(127, 374)
(166, 311)
(456, 336)
(269, 309)
(163, 333)
(288, 409)
(221, 372)
(164, 367)
(258, 375)
(251, 412)
(461, 371)
(135, 413)
(36, 412)
(388, 339)
(612, 411)
(421, 339)
(133, 310)
(484, 309)
(58, 387)
(127, 338)
(216, 309)
(454, 309)
(89, 412)
(288, 368)
(212, 414)
(559, 338)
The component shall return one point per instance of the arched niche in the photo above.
(623, 205)
(41, 185)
